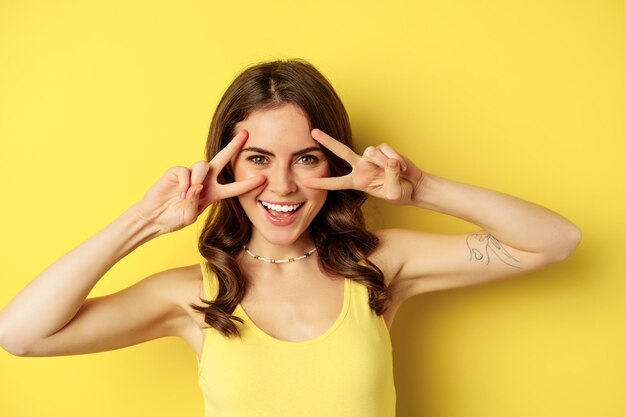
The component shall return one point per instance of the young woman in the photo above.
(290, 313)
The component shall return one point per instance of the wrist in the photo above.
(139, 225)
(420, 189)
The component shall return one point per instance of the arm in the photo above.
(51, 317)
(516, 236)
(43, 309)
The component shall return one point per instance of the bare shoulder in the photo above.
(388, 257)
(185, 286)
(383, 255)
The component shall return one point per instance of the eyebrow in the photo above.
(266, 152)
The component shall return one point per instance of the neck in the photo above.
(260, 246)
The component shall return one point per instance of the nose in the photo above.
(281, 181)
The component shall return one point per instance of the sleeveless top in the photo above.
(347, 371)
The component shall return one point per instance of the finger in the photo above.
(329, 183)
(375, 156)
(336, 147)
(199, 175)
(224, 156)
(194, 206)
(389, 152)
(393, 189)
(240, 187)
(192, 196)
(198, 172)
(180, 176)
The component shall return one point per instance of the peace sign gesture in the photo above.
(380, 172)
(182, 194)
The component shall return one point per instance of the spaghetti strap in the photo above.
(330, 375)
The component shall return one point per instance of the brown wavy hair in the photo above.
(338, 230)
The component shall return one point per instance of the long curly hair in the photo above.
(338, 230)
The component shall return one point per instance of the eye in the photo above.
(254, 159)
(310, 158)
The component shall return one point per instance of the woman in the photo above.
(297, 295)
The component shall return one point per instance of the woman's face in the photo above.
(281, 148)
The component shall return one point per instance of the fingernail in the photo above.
(393, 163)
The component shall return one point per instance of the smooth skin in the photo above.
(51, 316)
(423, 262)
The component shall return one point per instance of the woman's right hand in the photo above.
(182, 194)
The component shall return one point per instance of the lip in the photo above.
(282, 203)
(280, 222)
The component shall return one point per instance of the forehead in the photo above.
(283, 127)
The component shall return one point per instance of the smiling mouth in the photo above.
(281, 207)
(282, 211)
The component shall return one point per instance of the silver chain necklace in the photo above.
(279, 261)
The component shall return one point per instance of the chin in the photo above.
(283, 238)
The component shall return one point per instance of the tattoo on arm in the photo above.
(479, 245)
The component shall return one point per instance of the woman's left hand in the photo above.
(373, 173)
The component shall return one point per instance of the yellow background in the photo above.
(99, 98)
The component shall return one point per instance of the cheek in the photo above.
(241, 173)
(320, 171)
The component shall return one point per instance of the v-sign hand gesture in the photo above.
(380, 172)
(182, 194)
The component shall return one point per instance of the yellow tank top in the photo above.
(347, 371)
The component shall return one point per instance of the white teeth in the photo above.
(276, 207)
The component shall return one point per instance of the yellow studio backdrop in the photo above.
(99, 98)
